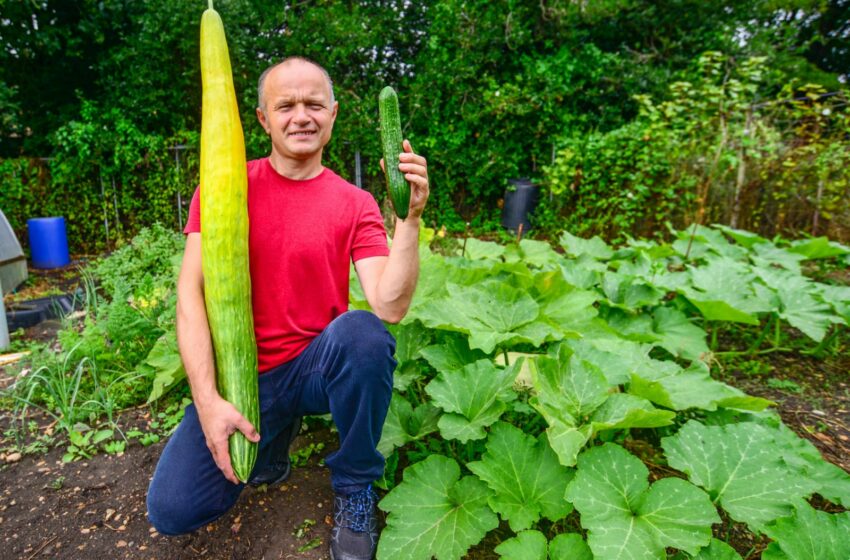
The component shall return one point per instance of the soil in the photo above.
(96, 509)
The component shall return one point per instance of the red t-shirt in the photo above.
(303, 236)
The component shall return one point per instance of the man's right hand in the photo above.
(219, 419)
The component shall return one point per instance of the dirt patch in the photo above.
(812, 396)
(96, 509)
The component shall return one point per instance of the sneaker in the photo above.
(279, 468)
(355, 532)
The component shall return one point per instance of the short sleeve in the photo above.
(370, 236)
(193, 224)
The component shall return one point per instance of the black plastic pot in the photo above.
(25, 314)
(520, 201)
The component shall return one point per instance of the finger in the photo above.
(247, 429)
(222, 456)
(420, 182)
(407, 147)
(413, 168)
(382, 165)
(412, 158)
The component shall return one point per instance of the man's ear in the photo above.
(264, 122)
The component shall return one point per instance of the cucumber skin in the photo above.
(224, 241)
(391, 141)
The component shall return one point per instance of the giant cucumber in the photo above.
(224, 239)
(397, 186)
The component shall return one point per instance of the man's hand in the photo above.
(415, 169)
(219, 419)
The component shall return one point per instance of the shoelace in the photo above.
(356, 510)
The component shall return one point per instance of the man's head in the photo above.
(297, 107)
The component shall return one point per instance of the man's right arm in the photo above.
(218, 417)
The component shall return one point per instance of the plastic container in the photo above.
(520, 201)
(48, 242)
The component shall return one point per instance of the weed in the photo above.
(784, 385)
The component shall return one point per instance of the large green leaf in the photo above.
(165, 365)
(667, 384)
(564, 305)
(538, 254)
(525, 476)
(626, 518)
(573, 397)
(404, 424)
(819, 248)
(799, 302)
(628, 292)
(742, 237)
(410, 339)
(527, 545)
(569, 546)
(532, 545)
(475, 249)
(622, 411)
(722, 291)
(452, 354)
(491, 313)
(593, 247)
(717, 550)
(742, 468)
(678, 335)
(809, 535)
(583, 272)
(833, 483)
(435, 513)
(767, 254)
(473, 397)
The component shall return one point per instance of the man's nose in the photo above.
(301, 113)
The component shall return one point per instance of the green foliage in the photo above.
(626, 518)
(616, 367)
(435, 512)
(709, 151)
(739, 467)
(794, 539)
(524, 474)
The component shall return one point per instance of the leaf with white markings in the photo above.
(435, 513)
(626, 518)
(532, 545)
(809, 535)
(525, 476)
(741, 466)
(473, 397)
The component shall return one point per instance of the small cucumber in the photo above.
(397, 186)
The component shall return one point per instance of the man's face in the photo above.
(298, 112)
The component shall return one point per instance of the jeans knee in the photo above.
(363, 335)
(163, 516)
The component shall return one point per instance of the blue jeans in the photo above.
(346, 370)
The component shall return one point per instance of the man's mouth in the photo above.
(302, 133)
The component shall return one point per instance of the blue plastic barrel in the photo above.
(48, 242)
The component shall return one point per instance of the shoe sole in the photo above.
(294, 431)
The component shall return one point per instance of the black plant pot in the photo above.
(520, 201)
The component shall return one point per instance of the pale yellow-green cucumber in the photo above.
(224, 239)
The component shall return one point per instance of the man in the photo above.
(315, 357)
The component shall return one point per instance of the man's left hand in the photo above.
(415, 170)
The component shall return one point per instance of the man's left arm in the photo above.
(389, 282)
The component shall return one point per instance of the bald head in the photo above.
(289, 61)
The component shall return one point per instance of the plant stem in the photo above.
(505, 353)
(755, 345)
(748, 353)
(777, 333)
